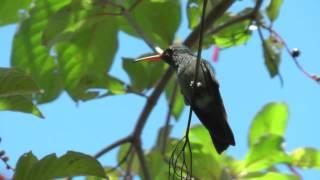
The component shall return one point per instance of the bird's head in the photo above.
(171, 55)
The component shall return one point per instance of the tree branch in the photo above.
(142, 159)
(112, 146)
(210, 19)
(246, 16)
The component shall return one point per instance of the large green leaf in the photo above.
(86, 57)
(28, 53)
(159, 20)
(272, 119)
(265, 153)
(70, 164)
(24, 165)
(205, 158)
(143, 75)
(16, 90)
(158, 168)
(178, 105)
(306, 158)
(9, 10)
(273, 9)
(269, 176)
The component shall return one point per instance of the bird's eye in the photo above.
(168, 53)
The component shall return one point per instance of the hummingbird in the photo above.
(207, 102)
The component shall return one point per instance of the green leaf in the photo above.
(272, 55)
(158, 168)
(16, 90)
(29, 55)
(234, 35)
(205, 156)
(265, 153)
(273, 9)
(194, 11)
(269, 176)
(115, 86)
(9, 10)
(159, 20)
(87, 56)
(112, 174)
(272, 119)
(16, 82)
(24, 165)
(306, 158)
(70, 164)
(178, 105)
(19, 103)
(143, 75)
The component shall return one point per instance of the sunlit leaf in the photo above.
(269, 176)
(266, 152)
(178, 105)
(272, 119)
(115, 85)
(16, 90)
(306, 158)
(233, 35)
(9, 10)
(143, 75)
(87, 56)
(158, 168)
(273, 9)
(49, 167)
(29, 55)
(149, 16)
(199, 135)
(19, 103)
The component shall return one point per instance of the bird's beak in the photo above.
(149, 58)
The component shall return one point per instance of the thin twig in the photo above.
(295, 60)
(267, 51)
(294, 171)
(112, 146)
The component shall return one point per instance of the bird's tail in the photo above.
(214, 119)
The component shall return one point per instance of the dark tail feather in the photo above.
(214, 119)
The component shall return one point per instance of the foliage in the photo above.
(70, 45)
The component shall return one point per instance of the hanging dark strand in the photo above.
(174, 160)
